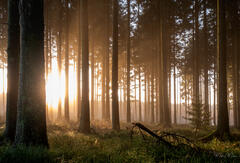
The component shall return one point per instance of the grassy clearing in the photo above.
(67, 145)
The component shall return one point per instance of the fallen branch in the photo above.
(163, 135)
(160, 139)
(179, 138)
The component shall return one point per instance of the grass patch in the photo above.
(67, 145)
(22, 154)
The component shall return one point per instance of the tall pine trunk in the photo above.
(167, 118)
(79, 63)
(13, 68)
(107, 62)
(66, 104)
(223, 119)
(93, 79)
(196, 55)
(31, 114)
(128, 65)
(115, 105)
(59, 50)
(206, 96)
(140, 93)
(104, 81)
(85, 115)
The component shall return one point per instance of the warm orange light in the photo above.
(55, 86)
(3, 83)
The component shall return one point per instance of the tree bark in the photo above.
(115, 105)
(13, 68)
(145, 96)
(174, 85)
(79, 63)
(31, 114)
(128, 65)
(196, 55)
(167, 118)
(206, 96)
(140, 93)
(93, 79)
(152, 94)
(104, 81)
(161, 99)
(85, 115)
(47, 50)
(66, 104)
(59, 49)
(223, 119)
(107, 63)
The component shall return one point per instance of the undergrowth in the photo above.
(69, 146)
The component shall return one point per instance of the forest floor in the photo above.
(104, 145)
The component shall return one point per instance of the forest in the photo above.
(119, 81)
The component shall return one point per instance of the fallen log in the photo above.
(188, 142)
(160, 139)
(163, 135)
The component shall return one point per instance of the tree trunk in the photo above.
(46, 54)
(196, 55)
(107, 104)
(85, 115)
(206, 96)
(235, 40)
(223, 119)
(115, 105)
(79, 63)
(128, 65)
(140, 94)
(103, 89)
(31, 129)
(50, 70)
(149, 97)
(104, 81)
(135, 97)
(66, 106)
(145, 96)
(167, 118)
(175, 93)
(152, 95)
(161, 98)
(214, 96)
(13, 69)
(59, 49)
(93, 79)
(238, 75)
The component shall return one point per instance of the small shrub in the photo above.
(199, 119)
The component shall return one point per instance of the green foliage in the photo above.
(67, 145)
(206, 119)
(195, 115)
(20, 154)
(198, 117)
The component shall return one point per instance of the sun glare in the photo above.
(3, 82)
(55, 86)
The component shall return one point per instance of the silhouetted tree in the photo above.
(13, 68)
(31, 114)
(85, 115)
(115, 106)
